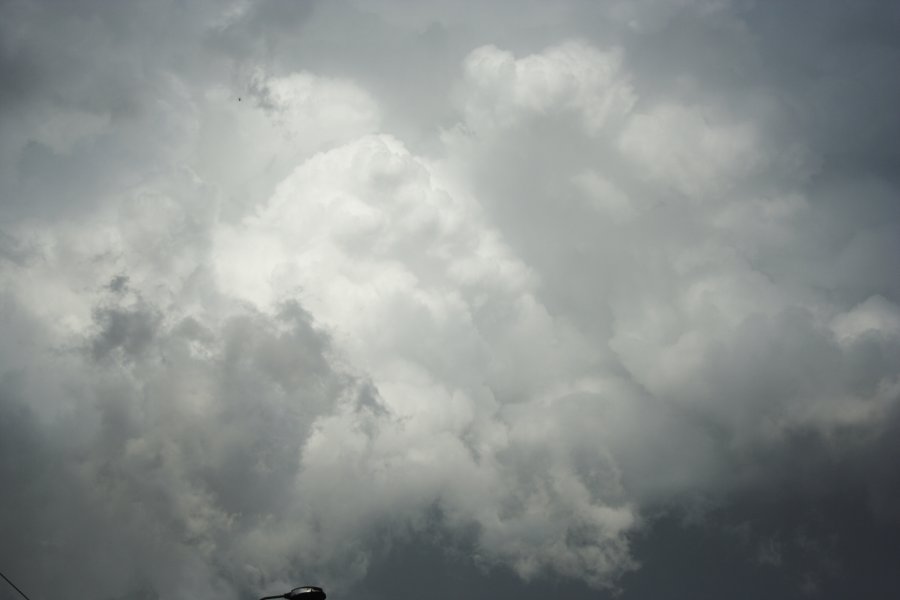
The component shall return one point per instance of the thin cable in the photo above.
(15, 587)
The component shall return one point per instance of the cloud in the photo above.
(574, 76)
(369, 238)
(545, 300)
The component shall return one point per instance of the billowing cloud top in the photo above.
(533, 295)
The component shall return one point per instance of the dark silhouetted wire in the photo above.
(15, 587)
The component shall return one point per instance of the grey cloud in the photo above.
(255, 29)
(535, 299)
(131, 330)
(159, 460)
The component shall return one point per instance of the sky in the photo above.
(425, 299)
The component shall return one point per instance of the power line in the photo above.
(15, 587)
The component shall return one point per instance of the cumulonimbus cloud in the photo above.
(297, 336)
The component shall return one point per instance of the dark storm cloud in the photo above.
(260, 28)
(131, 330)
(518, 299)
(140, 469)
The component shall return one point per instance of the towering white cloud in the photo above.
(422, 296)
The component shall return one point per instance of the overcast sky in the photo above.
(500, 300)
